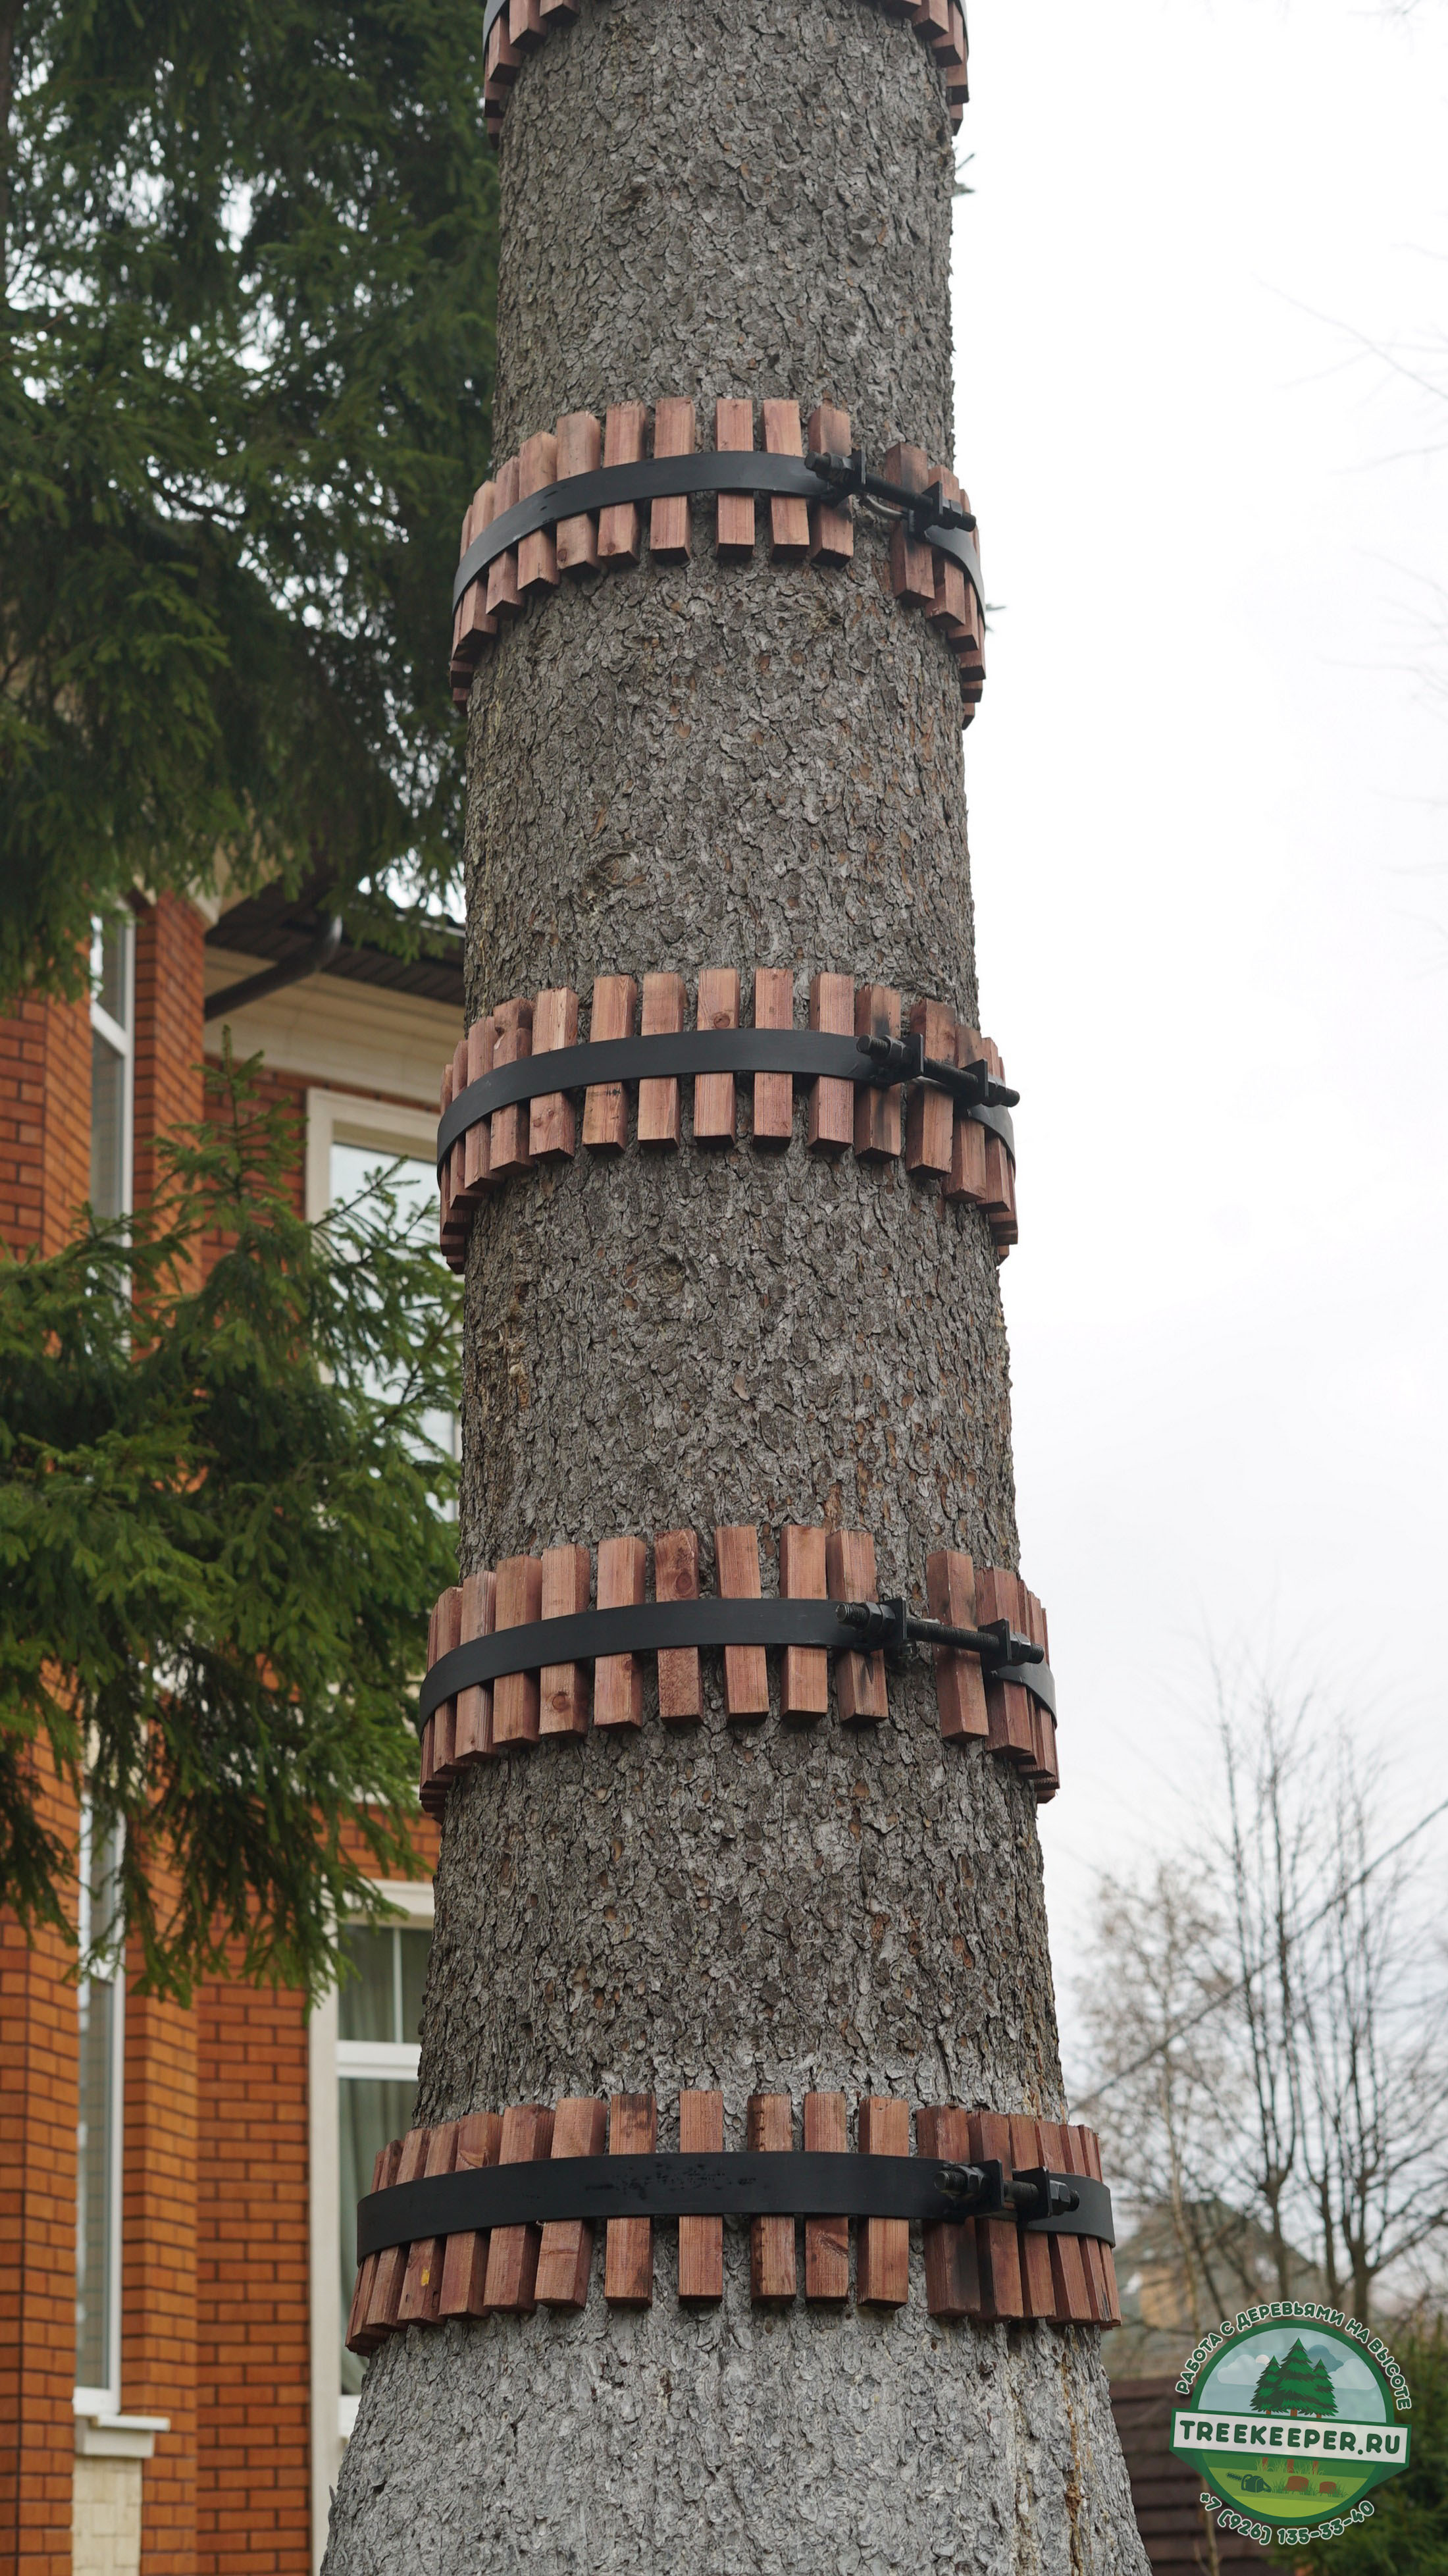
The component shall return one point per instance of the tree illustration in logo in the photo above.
(1294, 2386)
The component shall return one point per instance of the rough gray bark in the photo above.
(674, 768)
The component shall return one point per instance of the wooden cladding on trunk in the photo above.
(794, 529)
(985, 2267)
(942, 1146)
(567, 1700)
(517, 27)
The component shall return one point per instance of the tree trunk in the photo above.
(676, 767)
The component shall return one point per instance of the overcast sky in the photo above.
(1209, 825)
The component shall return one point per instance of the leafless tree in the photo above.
(1266, 2013)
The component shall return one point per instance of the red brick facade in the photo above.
(215, 2236)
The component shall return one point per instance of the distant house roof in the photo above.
(276, 925)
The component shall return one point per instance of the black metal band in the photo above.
(662, 478)
(649, 1627)
(925, 2189)
(810, 1053)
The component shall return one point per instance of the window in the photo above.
(101, 2001)
(351, 1168)
(378, 2014)
(113, 960)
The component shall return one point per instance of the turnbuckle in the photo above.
(922, 511)
(895, 1060)
(889, 1627)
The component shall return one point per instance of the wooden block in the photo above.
(663, 1016)
(557, 12)
(1075, 2159)
(734, 435)
(676, 1578)
(465, 2259)
(997, 2240)
(701, 2240)
(950, 49)
(952, 2276)
(382, 2307)
(805, 1688)
(525, 25)
(1045, 1770)
(474, 1736)
(830, 1112)
(563, 1689)
(537, 468)
(565, 2257)
(966, 1179)
(882, 2277)
(477, 1143)
(1008, 1704)
(580, 450)
(508, 1147)
(472, 625)
(504, 597)
(826, 2240)
(605, 1105)
(422, 2283)
(850, 1572)
(930, 18)
(517, 1604)
(452, 1232)
(628, 2256)
(669, 520)
(462, 1203)
(877, 1113)
(769, 2130)
(788, 516)
(746, 1671)
(773, 1092)
(618, 1680)
(831, 528)
(959, 1689)
(1037, 2290)
(550, 1115)
(360, 2337)
(513, 2251)
(931, 1121)
(1090, 2146)
(912, 567)
(714, 1092)
(623, 444)
(444, 1716)
(501, 64)
(1071, 2301)
(948, 608)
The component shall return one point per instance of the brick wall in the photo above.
(45, 1119)
(254, 2362)
(170, 985)
(39, 2082)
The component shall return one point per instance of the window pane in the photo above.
(415, 1181)
(108, 1132)
(366, 2005)
(368, 2114)
(110, 960)
(415, 1947)
(95, 2213)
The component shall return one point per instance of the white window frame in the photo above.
(340, 1118)
(106, 2401)
(328, 2058)
(121, 1035)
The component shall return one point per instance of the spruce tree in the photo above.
(217, 1518)
(247, 301)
